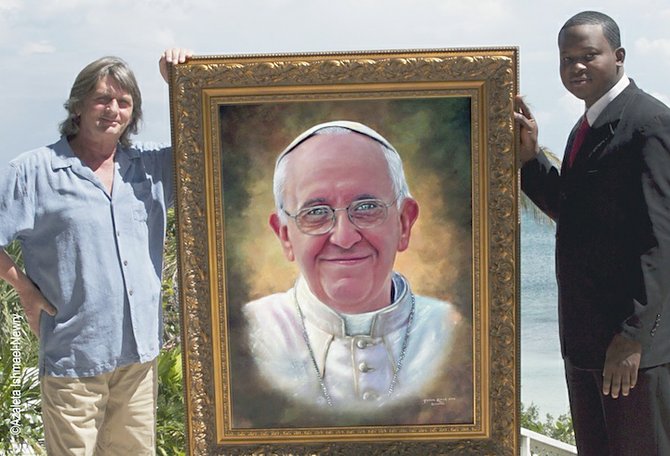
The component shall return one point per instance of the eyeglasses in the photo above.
(318, 220)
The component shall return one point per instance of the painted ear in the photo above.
(409, 213)
(281, 231)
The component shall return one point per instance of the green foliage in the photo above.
(170, 435)
(170, 429)
(171, 331)
(559, 428)
(20, 418)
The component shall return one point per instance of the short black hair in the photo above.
(610, 27)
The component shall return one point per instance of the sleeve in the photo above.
(540, 181)
(159, 161)
(16, 204)
(654, 261)
(166, 158)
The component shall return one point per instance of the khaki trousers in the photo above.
(108, 414)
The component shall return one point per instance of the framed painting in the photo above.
(272, 365)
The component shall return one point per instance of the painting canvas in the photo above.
(448, 114)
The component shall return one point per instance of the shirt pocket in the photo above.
(139, 212)
(143, 200)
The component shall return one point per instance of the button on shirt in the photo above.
(97, 258)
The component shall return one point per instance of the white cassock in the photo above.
(310, 353)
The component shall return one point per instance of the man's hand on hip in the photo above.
(34, 302)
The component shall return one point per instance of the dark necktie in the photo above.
(579, 140)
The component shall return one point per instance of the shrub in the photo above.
(21, 418)
(559, 428)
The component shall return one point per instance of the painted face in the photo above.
(589, 66)
(106, 111)
(348, 268)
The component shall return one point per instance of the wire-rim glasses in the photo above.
(363, 214)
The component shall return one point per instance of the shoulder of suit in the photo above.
(645, 113)
(648, 104)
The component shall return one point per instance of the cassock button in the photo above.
(370, 396)
(360, 343)
(363, 367)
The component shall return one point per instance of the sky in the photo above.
(47, 42)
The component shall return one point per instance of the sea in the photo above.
(542, 375)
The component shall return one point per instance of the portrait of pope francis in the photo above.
(350, 342)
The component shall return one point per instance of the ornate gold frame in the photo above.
(488, 77)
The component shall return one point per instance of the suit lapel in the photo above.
(603, 130)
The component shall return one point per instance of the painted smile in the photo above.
(347, 260)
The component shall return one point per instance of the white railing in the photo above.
(534, 444)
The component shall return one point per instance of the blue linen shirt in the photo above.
(97, 258)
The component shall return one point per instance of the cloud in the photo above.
(41, 34)
(572, 106)
(544, 116)
(660, 47)
(60, 7)
(9, 5)
(663, 97)
(37, 47)
(663, 14)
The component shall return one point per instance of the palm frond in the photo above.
(527, 206)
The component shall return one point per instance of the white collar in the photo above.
(599, 106)
(323, 324)
(384, 320)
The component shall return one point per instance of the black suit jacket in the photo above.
(612, 210)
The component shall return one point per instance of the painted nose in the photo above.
(344, 234)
